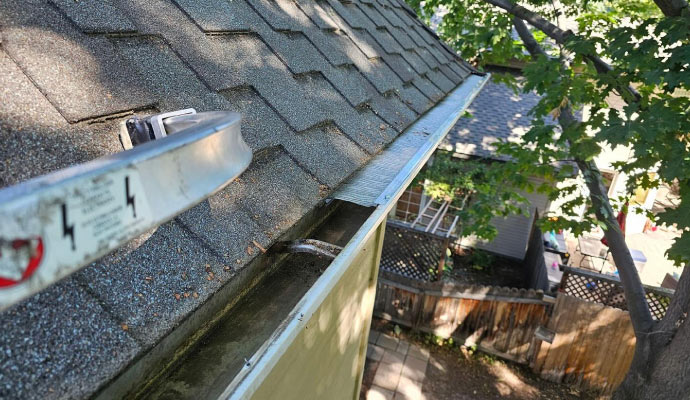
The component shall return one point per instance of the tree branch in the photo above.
(632, 285)
(558, 35)
(528, 39)
(677, 310)
(671, 8)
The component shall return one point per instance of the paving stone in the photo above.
(375, 352)
(418, 352)
(393, 357)
(388, 375)
(379, 393)
(415, 368)
(403, 346)
(409, 389)
(388, 342)
(373, 336)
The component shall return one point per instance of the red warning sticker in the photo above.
(19, 259)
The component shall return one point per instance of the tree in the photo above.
(638, 52)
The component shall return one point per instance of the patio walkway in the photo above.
(401, 368)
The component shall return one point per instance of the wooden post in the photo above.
(442, 261)
(564, 279)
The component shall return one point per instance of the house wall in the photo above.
(513, 231)
(327, 357)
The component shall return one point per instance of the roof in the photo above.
(322, 87)
(497, 114)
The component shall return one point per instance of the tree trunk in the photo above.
(660, 368)
(640, 316)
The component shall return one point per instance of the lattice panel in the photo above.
(411, 253)
(658, 304)
(610, 293)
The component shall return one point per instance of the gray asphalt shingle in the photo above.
(321, 86)
(60, 344)
(497, 114)
(62, 62)
(96, 16)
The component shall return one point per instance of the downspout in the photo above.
(427, 132)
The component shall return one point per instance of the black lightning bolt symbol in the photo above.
(67, 230)
(130, 199)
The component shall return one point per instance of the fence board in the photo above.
(592, 347)
(498, 320)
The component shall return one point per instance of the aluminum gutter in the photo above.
(435, 124)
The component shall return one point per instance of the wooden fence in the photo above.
(567, 339)
(500, 321)
(592, 347)
(413, 253)
(608, 290)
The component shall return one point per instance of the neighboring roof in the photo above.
(322, 86)
(497, 114)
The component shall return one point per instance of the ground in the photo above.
(653, 243)
(477, 267)
(450, 373)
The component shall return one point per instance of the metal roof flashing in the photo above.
(380, 183)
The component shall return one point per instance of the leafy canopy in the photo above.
(647, 51)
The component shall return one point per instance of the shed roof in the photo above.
(322, 86)
(497, 114)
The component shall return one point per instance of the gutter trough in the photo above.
(238, 352)
(380, 183)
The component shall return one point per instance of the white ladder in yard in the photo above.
(53, 225)
(432, 216)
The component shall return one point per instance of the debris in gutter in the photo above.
(259, 246)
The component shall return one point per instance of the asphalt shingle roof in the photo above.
(322, 87)
(497, 114)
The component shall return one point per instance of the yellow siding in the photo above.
(325, 361)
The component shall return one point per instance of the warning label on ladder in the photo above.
(68, 225)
